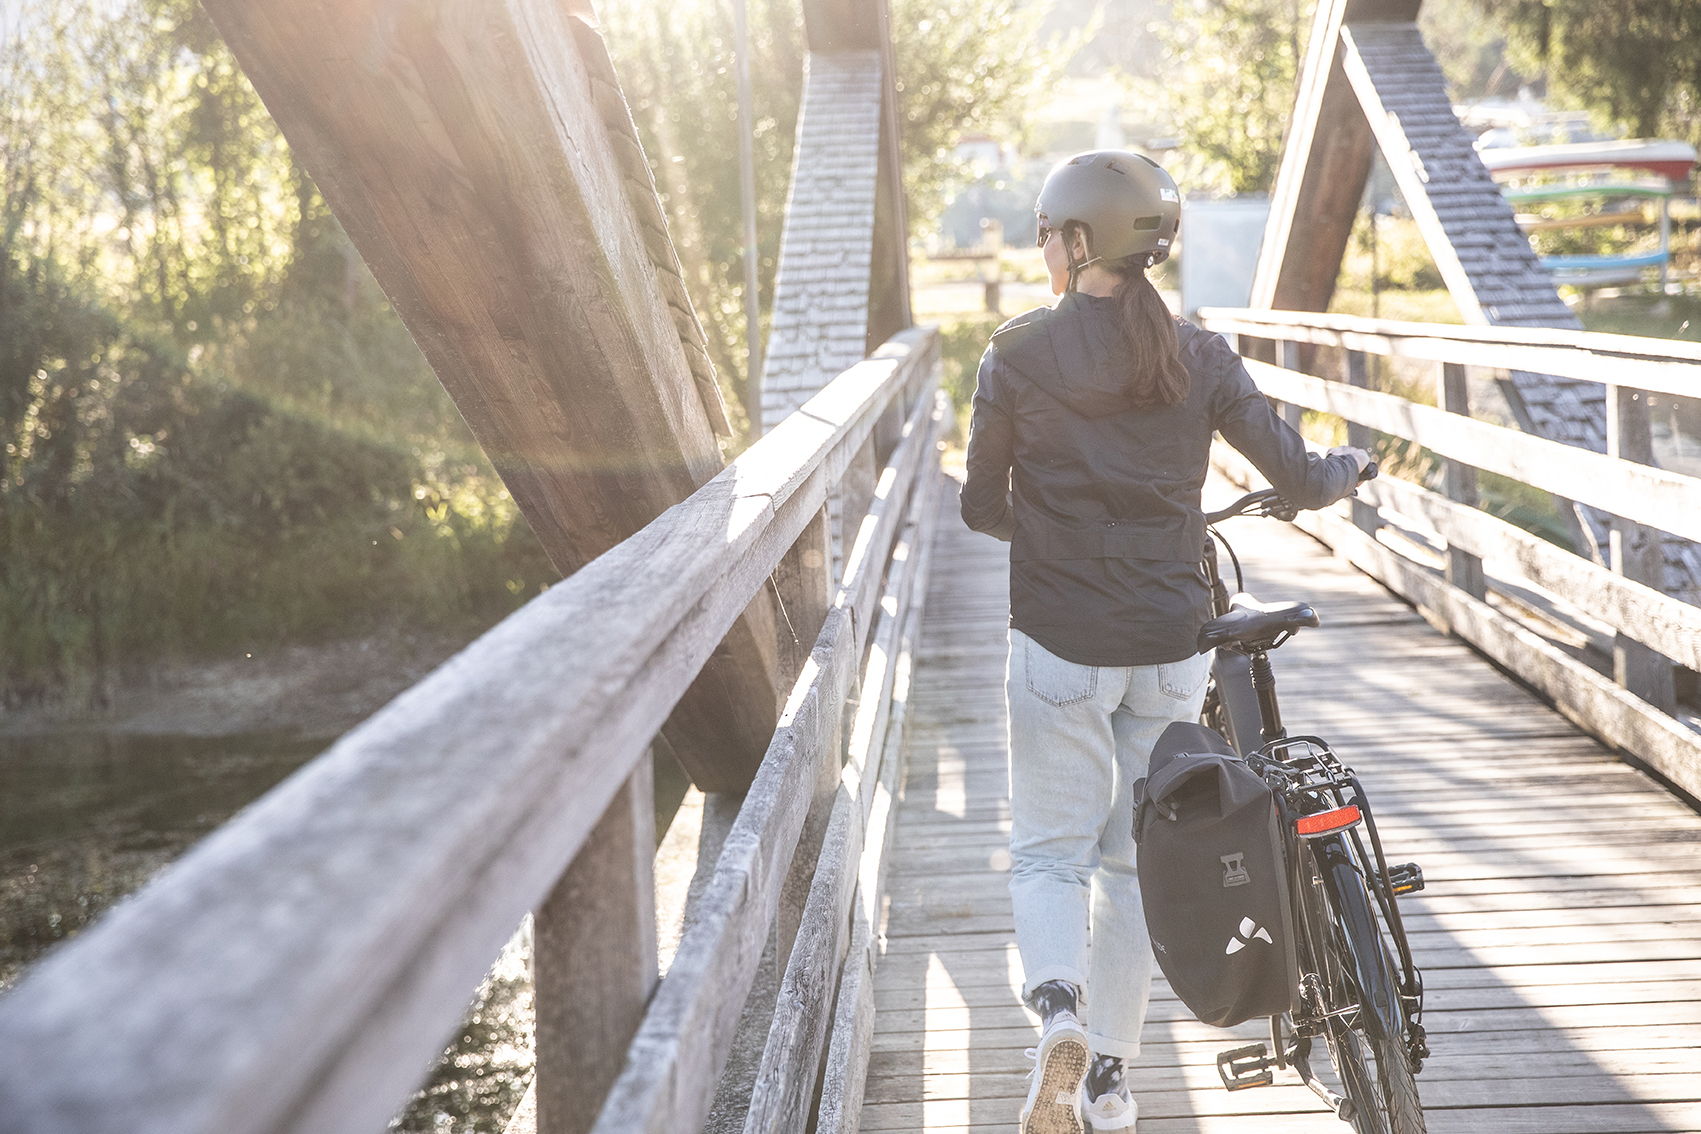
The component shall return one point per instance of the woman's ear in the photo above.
(1078, 245)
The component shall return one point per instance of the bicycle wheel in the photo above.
(1370, 1058)
(1324, 955)
(1358, 1082)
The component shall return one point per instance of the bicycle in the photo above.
(1347, 924)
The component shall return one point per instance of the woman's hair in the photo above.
(1158, 377)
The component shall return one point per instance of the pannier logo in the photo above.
(1234, 870)
(1249, 932)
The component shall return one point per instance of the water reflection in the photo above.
(88, 817)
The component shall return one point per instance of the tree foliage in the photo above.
(1229, 83)
(963, 66)
(213, 431)
(1635, 63)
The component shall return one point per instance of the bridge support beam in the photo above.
(483, 161)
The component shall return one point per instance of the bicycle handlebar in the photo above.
(1269, 502)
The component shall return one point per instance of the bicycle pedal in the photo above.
(1246, 1067)
(1406, 878)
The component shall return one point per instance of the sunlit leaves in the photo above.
(1636, 63)
(1229, 82)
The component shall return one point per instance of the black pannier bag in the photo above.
(1212, 879)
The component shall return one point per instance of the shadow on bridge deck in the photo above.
(1560, 934)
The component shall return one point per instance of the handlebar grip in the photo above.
(1370, 472)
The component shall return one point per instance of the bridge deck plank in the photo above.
(1559, 934)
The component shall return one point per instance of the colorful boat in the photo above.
(1597, 170)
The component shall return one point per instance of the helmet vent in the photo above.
(1146, 224)
(1116, 167)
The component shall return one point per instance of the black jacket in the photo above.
(1099, 499)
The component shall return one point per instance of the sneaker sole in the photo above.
(1060, 1079)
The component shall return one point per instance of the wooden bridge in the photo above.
(810, 632)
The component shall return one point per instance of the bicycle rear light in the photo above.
(1328, 822)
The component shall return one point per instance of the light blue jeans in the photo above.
(1080, 735)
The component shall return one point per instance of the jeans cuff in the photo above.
(1057, 972)
(1125, 1050)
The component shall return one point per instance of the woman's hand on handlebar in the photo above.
(1360, 458)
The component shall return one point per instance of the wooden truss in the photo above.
(1370, 83)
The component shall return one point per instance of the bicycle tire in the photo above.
(1385, 1100)
(1320, 933)
(1399, 1088)
(1358, 1084)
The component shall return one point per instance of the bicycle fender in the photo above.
(1372, 969)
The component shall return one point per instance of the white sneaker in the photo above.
(1109, 1114)
(1060, 1067)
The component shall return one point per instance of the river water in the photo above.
(86, 817)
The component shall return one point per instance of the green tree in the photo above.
(1229, 86)
(202, 392)
(1635, 63)
(963, 66)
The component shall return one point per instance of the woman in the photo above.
(1088, 449)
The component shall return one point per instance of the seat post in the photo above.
(1264, 684)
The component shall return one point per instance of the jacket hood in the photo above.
(1075, 352)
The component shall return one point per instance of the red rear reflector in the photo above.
(1326, 821)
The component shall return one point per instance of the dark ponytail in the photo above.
(1158, 378)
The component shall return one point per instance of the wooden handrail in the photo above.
(1664, 366)
(1653, 630)
(1655, 497)
(300, 969)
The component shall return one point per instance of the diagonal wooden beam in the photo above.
(1325, 162)
(481, 158)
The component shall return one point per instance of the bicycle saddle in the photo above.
(1254, 625)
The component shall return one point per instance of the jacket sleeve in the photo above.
(1247, 421)
(985, 499)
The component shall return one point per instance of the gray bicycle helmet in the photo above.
(1130, 205)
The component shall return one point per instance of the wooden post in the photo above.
(483, 161)
(1365, 517)
(1464, 570)
(803, 589)
(1325, 163)
(594, 960)
(1288, 354)
(1635, 553)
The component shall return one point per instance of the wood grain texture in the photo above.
(1558, 931)
(594, 960)
(1664, 623)
(1665, 366)
(785, 1082)
(300, 969)
(1325, 163)
(1655, 497)
(669, 1078)
(853, 1017)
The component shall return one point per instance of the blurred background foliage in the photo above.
(215, 434)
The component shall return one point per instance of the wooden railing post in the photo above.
(804, 587)
(594, 960)
(1288, 354)
(1464, 570)
(1635, 553)
(1365, 516)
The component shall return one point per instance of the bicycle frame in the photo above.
(1382, 997)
